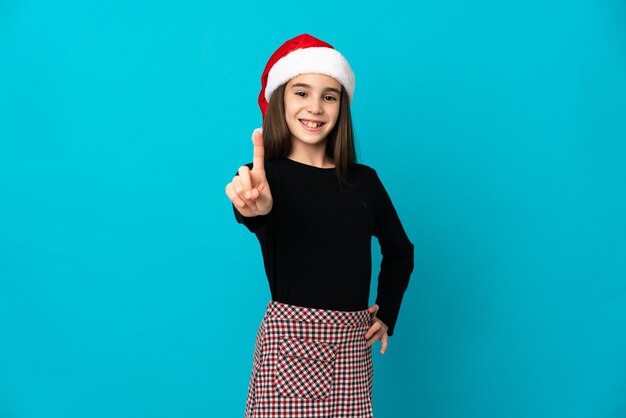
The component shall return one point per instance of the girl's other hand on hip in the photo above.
(378, 330)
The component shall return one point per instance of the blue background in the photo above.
(127, 289)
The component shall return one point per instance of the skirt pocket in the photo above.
(305, 368)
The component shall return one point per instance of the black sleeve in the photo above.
(397, 258)
(253, 223)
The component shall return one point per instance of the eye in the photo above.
(330, 98)
(300, 93)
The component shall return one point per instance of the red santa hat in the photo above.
(304, 54)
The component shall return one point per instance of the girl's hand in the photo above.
(249, 191)
(378, 330)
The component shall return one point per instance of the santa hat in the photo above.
(304, 54)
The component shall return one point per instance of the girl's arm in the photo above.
(397, 261)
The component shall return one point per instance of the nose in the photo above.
(315, 107)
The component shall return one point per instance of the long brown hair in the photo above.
(339, 142)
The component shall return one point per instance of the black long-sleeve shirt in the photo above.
(316, 240)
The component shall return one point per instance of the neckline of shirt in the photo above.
(330, 169)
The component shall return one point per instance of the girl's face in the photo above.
(311, 107)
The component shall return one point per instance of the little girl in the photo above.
(314, 211)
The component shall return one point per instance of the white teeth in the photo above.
(311, 124)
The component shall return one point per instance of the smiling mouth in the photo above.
(311, 123)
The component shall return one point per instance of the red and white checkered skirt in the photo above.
(311, 363)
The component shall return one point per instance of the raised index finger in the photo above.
(258, 163)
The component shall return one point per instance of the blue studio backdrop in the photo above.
(127, 289)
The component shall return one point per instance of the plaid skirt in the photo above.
(311, 363)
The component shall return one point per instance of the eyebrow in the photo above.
(308, 87)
